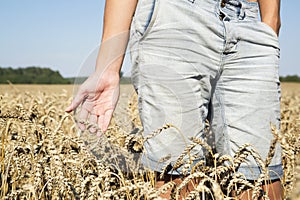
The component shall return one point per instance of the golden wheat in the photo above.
(43, 157)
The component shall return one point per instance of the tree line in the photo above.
(39, 75)
(290, 78)
(31, 75)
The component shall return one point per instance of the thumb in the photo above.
(76, 102)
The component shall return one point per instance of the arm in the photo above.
(99, 94)
(117, 19)
(270, 13)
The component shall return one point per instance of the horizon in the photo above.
(124, 75)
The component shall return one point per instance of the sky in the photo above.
(64, 35)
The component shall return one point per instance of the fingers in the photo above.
(102, 120)
(100, 123)
(98, 111)
(82, 118)
(106, 120)
(93, 120)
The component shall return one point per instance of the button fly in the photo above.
(221, 16)
(223, 4)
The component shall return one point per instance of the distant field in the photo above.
(290, 87)
(286, 87)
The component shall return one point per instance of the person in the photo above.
(193, 60)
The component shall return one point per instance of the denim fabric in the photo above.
(202, 59)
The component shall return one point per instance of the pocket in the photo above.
(268, 29)
(145, 17)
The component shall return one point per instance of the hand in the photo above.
(98, 95)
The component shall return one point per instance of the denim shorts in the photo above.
(206, 59)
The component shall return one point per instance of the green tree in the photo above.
(31, 75)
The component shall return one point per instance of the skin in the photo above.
(99, 94)
(270, 13)
(274, 191)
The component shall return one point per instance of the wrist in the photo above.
(108, 72)
(110, 57)
(112, 68)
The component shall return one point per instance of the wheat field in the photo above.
(44, 156)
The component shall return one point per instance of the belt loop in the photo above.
(242, 13)
(221, 16)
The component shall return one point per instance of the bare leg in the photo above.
(177, 180)
(274, 191)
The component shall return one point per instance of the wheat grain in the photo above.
(43, 158)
